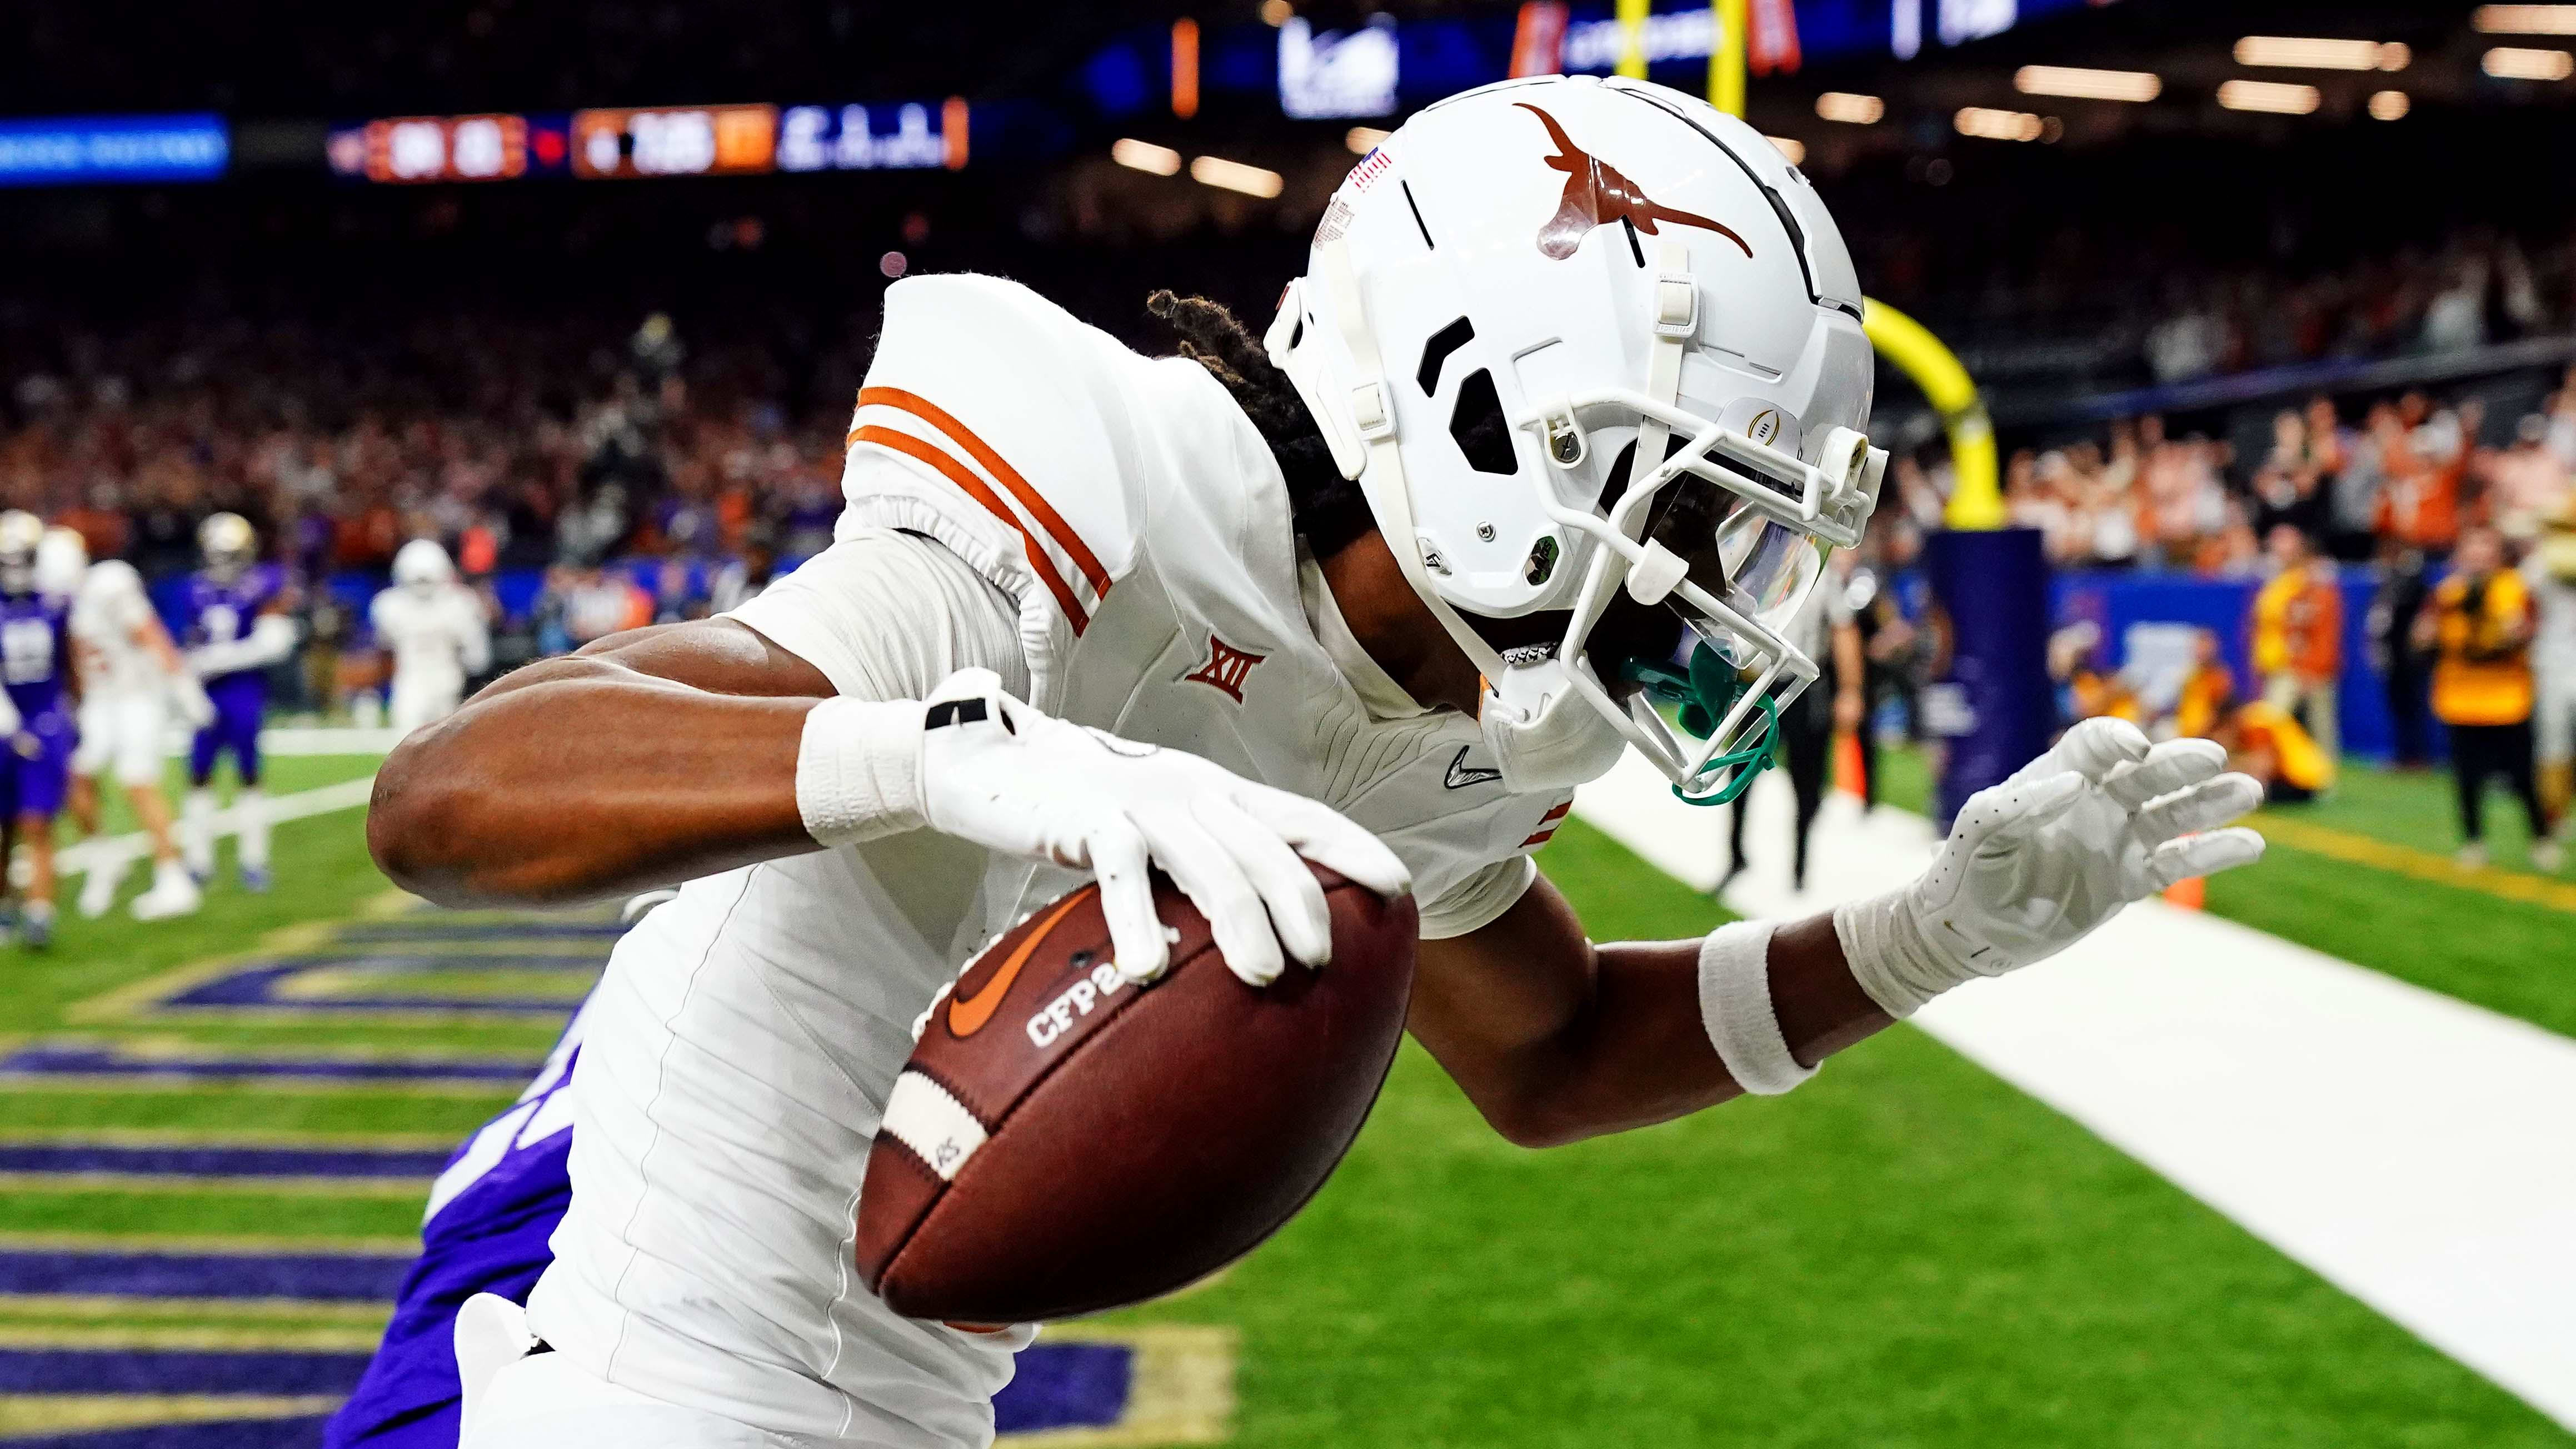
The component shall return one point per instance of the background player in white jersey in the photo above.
(1590, 353)
(132, 682)
(435, 629)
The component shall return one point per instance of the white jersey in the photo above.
(436, 634)
(1112, 536)
(110, 620)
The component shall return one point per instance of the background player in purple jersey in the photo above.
(35, 666)
(234, 625)
(485, 1230)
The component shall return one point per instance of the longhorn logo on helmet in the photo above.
(1597, 195)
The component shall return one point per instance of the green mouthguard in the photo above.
(1704, 695)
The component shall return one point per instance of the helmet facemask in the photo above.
(1641, 515)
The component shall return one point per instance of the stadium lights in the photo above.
(2308, 53)
(1227, 175)
(2389, 105)
(1138, 155)
(2525, 19)
(1364, 139)
(2514, 62)
(2277, 98)
(1993, 125)
(1850, 109)
(1791, 147)
(2090, 85)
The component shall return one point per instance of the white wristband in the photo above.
(1735, 1007)
(858, 770)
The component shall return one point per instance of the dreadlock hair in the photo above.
(1323, 506)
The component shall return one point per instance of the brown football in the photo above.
(1062, 1143)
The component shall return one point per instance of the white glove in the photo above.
(1001, 774)
(2034, 864)
(188, 700)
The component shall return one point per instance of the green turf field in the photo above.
(1905, 1252)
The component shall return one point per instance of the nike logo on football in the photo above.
(968, 1014)
(1462, 774)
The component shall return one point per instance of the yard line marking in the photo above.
(2405, 1146)
(181, 1062)
(122, 850)
(308, 1312)
(24, 1415)
(2423, 865)
(185, 1338)
(1180, 1387)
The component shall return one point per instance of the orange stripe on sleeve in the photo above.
(964, 477)
(976, 448)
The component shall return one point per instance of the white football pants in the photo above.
(546, 1401)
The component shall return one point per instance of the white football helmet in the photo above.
(21, 534)
(1575, 337)
(62, 561)
(422, 565)
(229, 544)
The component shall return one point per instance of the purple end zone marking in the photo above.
(226, 1434)
(336, 1277)
(221, 1161)
(160, 1371)
(256, 986)
(1066, 1386)
(96, 1061)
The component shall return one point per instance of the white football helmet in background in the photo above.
(229, 544)
(62, 561)
(423, 566)
(21, 534)
(1575, 336)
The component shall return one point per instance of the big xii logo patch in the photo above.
(1226, 668)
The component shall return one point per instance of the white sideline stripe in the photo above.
(298, 740)
(922, 1116)
(121, 851)
(2409, 1148)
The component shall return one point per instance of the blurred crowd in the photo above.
(2137, 309)
(2406, 473)
(518, 447)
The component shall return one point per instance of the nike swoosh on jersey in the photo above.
(1462, 774)
(968, 1014)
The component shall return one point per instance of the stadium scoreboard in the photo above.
(623, 143)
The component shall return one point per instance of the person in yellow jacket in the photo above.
(2480, 622)
(2298, 635)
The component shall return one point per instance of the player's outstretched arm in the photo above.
(1555, 1039)
(672, 753)
(649, 757)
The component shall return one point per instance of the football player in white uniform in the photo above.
(132, 681)
(435, 630)
(1576, 366)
